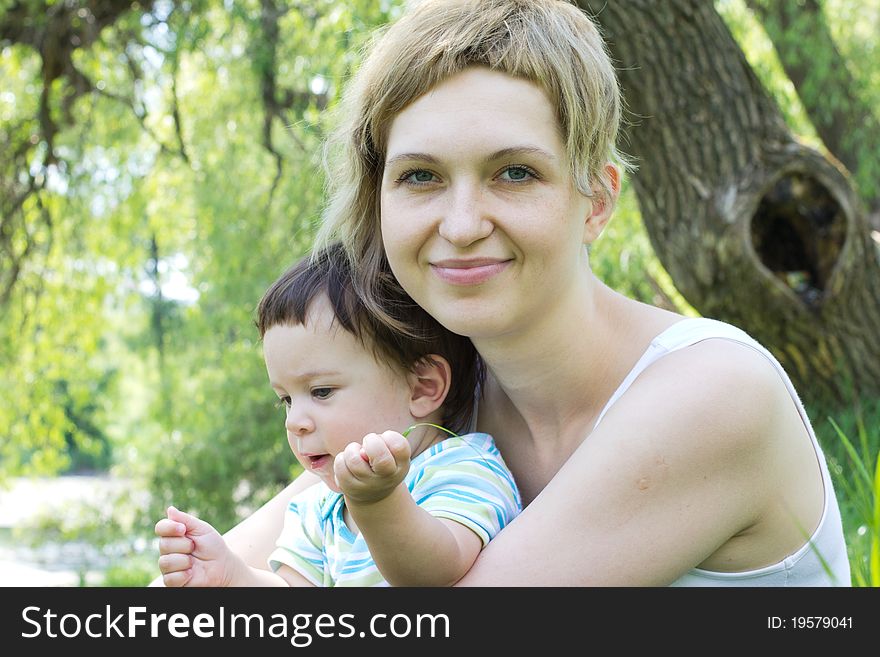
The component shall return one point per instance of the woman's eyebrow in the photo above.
(520, 150)
(408, 157)
(504, 153)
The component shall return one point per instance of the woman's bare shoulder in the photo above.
(680, 464)
(717, 387)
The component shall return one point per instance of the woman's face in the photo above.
(481, 221)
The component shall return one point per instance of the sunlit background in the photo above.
(148, 200)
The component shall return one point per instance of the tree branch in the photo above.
(276, 102)
(175, 111)
(54, 30)
(847, 125)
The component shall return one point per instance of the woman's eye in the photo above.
(416, 177)
(321, 393)
(517, 173)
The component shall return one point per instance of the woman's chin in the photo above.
(476, 326)
(472, 318)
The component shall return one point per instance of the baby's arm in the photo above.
(409, 545)
(194, 554)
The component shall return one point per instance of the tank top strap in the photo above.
(825, 548)
(827, 541)
(690, 331)
(681, 334)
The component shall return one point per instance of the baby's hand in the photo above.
(192, 552)
(369, 472)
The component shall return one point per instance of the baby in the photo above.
(412, 506)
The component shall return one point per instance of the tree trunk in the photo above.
(830, 94)
(754, 228)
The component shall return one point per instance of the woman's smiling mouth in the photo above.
(468, 271)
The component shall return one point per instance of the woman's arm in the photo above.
(684, 461)
(253, 539)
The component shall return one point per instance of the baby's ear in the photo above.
(429, 383)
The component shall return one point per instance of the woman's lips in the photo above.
(468, 272)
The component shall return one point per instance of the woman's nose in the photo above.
(464, 218)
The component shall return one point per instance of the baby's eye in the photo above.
(517, 173)
(321, 393)
(283, 401)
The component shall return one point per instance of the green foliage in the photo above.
(855, 26)
(851, 442)
(109, 533)
(188, 178)
(137, 573)
(154, 236)
(850, 54)
(762, 57)
(624, 260)
(51, 332)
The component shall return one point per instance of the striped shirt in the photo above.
(462, 479)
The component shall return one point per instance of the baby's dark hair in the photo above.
(288, 299)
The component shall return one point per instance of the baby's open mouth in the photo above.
(316, 461)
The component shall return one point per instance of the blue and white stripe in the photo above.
(463, 479)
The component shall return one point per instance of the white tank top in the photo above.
(822, 561)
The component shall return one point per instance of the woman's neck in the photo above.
(560, 371)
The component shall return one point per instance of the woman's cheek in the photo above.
(399, 241)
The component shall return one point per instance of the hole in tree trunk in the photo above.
(798, 231)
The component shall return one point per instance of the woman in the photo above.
(649, 449)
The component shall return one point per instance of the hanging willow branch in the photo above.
(55, 31)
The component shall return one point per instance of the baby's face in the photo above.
(334, 390)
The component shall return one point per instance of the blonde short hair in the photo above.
(551, 43)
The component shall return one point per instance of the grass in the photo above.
(851, 441)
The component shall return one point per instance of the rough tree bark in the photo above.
(754, 228)
(844, 120)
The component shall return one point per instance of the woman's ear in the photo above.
(429, 384)
(602, 204)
